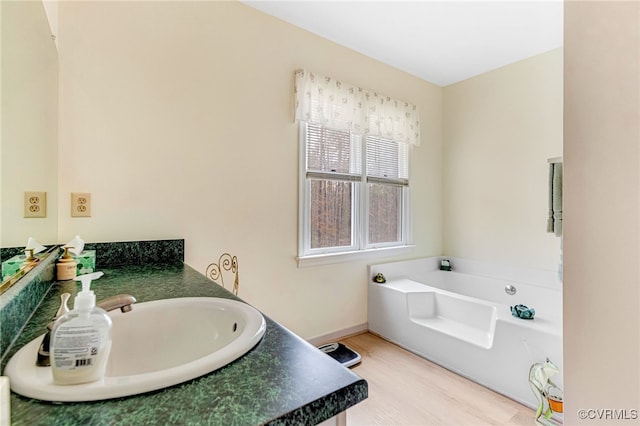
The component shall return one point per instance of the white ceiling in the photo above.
(440, 41)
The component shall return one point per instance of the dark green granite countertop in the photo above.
(283, 380)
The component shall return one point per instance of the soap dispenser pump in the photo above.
(81, 339)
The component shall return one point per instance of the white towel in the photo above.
(554, 220)
(36, 246)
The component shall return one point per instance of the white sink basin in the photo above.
(156, 345)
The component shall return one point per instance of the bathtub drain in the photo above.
(510, 290)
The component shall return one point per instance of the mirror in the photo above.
(29, 122)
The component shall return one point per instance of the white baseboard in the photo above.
(339, 334)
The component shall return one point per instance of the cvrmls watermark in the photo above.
(608, 414)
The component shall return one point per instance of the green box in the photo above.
(86, 262)
(11, 266)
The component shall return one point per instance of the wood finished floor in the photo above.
(405, 389)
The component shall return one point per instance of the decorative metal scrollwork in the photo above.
(226, 262)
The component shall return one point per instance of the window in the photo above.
(354, 191)
(354, 167)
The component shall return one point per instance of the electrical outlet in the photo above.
(35, 204)
(80, 204)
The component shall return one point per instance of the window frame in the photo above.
(361, 247)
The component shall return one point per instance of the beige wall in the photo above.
(153, 124)
(177, 117)
(499, 130)
(602, 198)
(29, 122)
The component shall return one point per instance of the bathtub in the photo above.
(462, 321)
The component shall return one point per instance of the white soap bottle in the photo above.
(81, 339)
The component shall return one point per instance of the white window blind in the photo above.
(387, 161)
(333, 154)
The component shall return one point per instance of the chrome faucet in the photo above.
(124, 302)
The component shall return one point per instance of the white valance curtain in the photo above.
(339, 106)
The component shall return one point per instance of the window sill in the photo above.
(330, 258)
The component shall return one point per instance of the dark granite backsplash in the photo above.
(137, 252)
(124, 252)
(7, 253)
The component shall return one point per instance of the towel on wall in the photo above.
(554, 221)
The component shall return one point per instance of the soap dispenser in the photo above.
(81, 339)
(66, 268)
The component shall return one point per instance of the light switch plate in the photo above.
(80, 204)
(35, 204)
